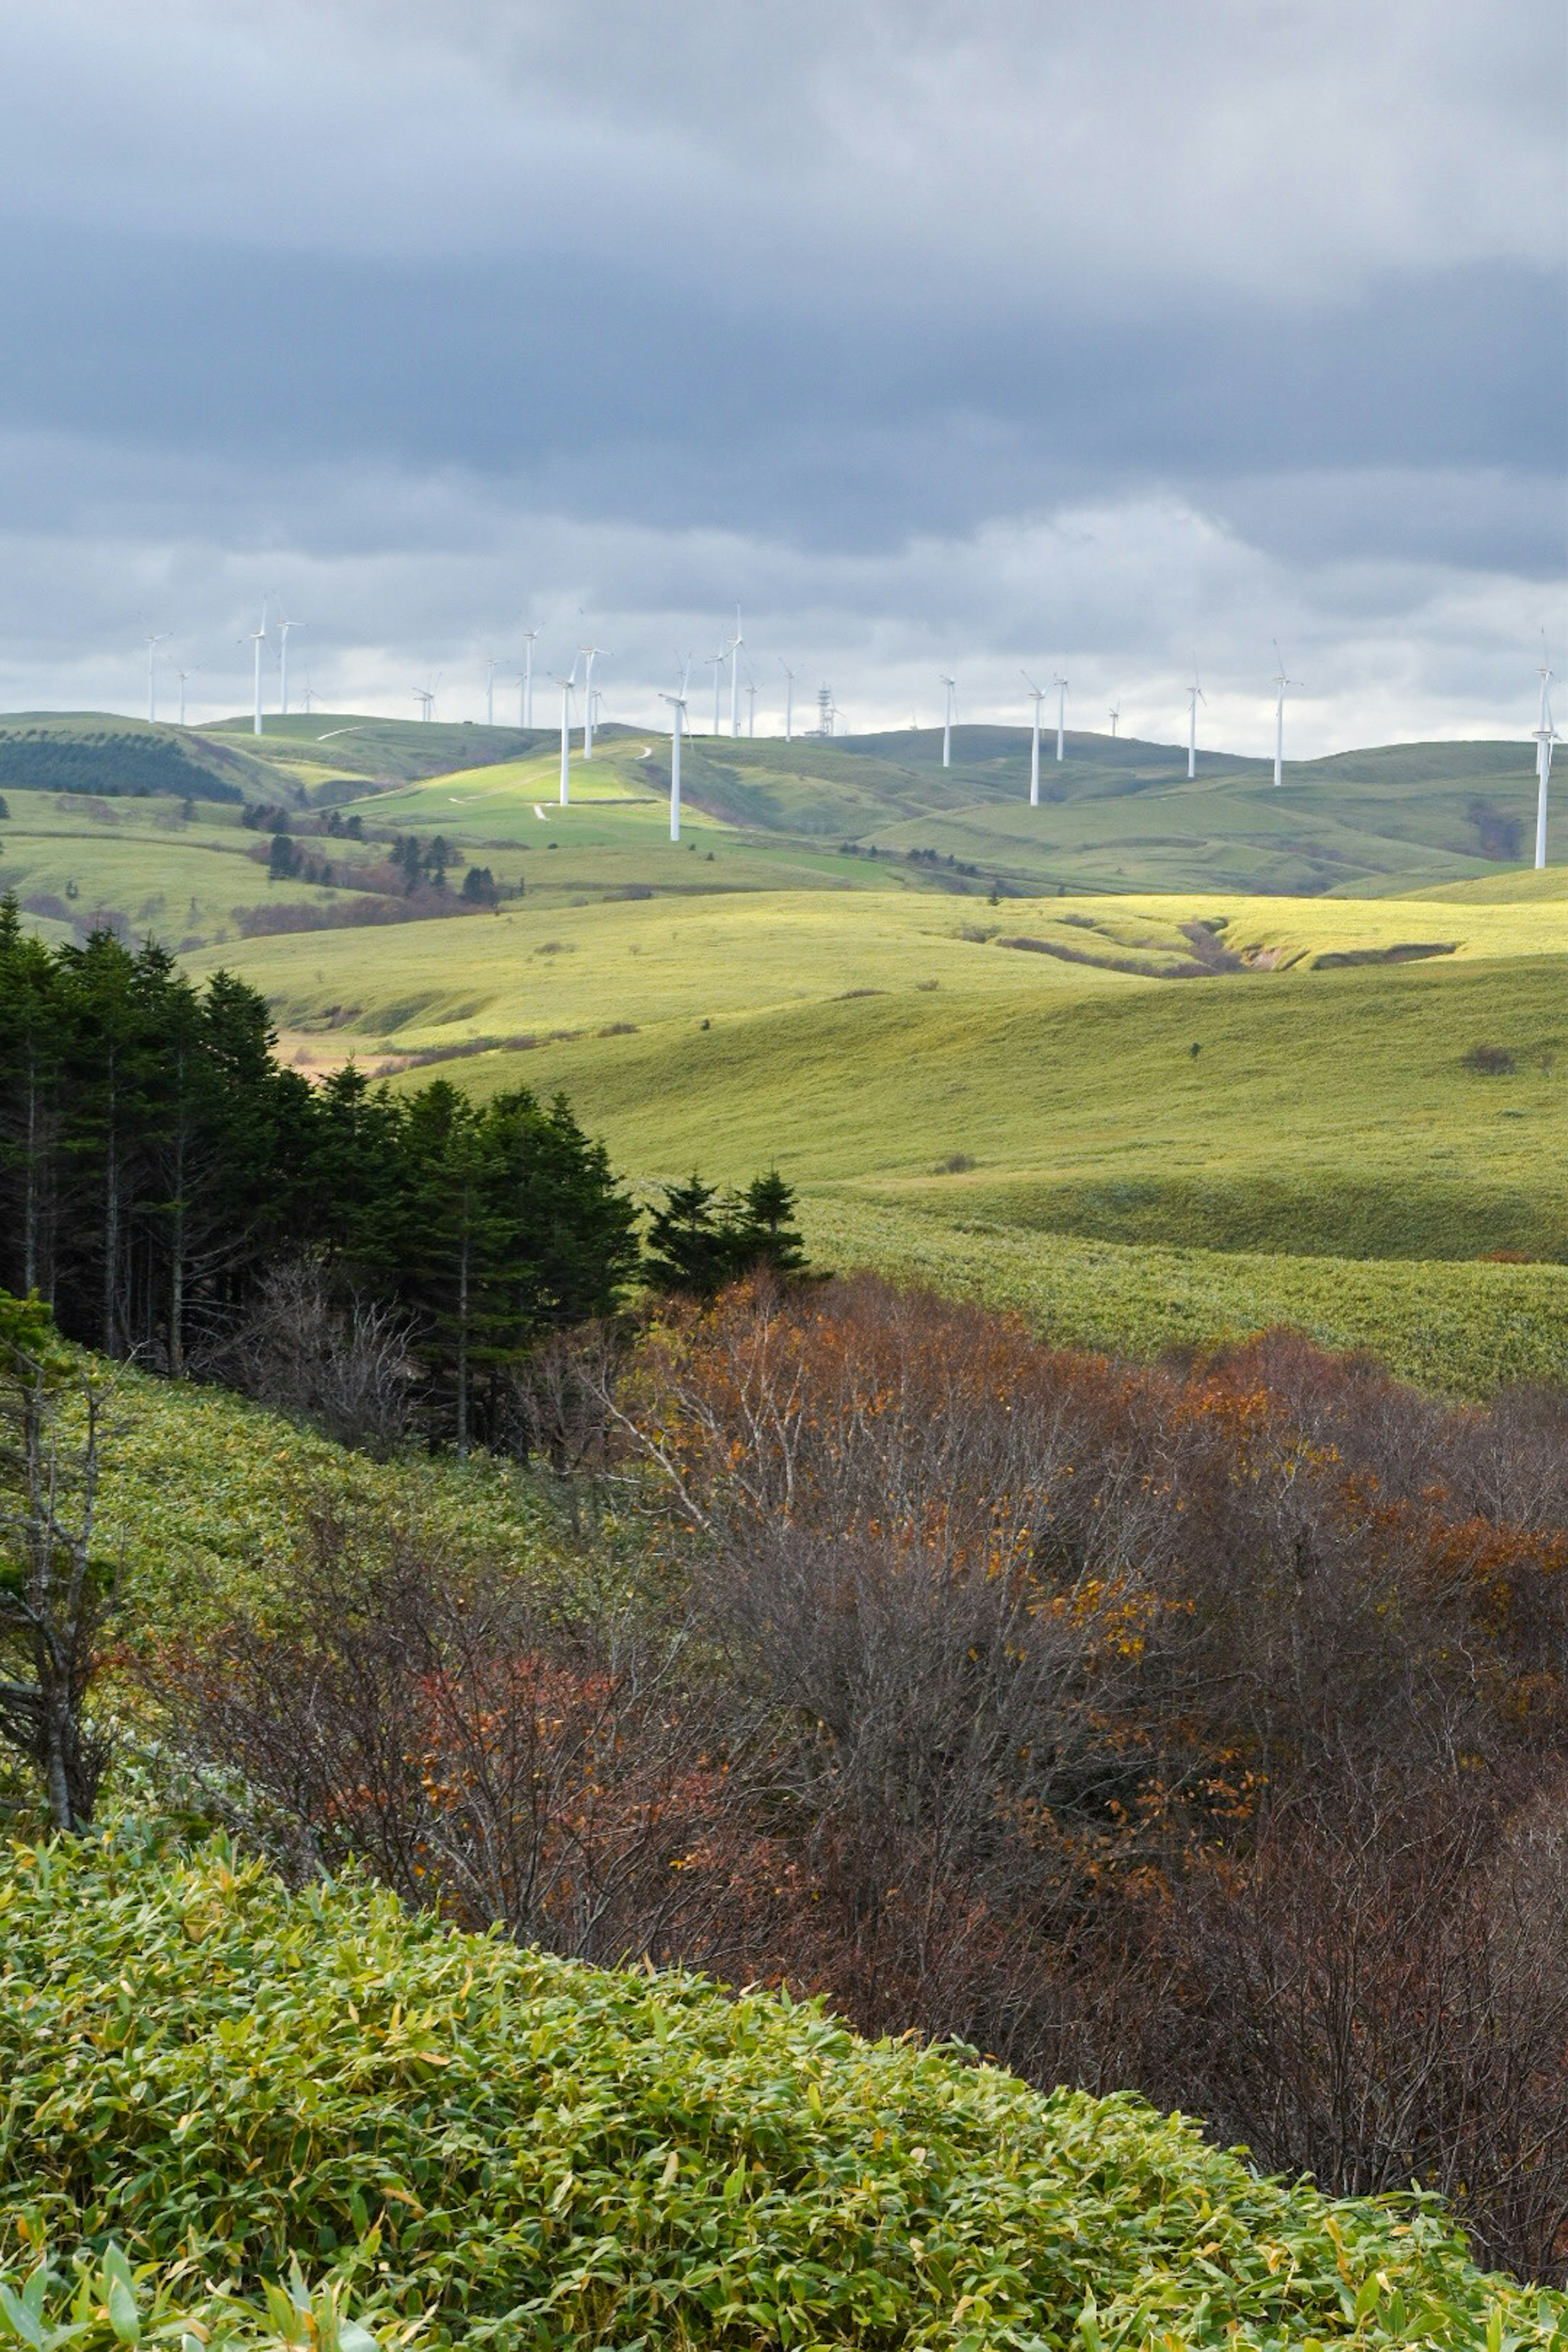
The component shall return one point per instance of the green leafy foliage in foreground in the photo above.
(212, 2077)
(1455, 1329)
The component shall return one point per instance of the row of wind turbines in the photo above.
(255, 638)
(727, 656)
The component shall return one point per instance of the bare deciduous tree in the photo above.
(341, 1363)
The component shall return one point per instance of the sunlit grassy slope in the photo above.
(542, 966)
(954, 1020)
(1115, 816)
(870, 1039)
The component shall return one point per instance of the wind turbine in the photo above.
(258, 639)
(590, 652)
(1194, 695)
(1060, 684)
(751, 706)
(490, 692)
(425, 697)
(789, 700)
(947, 721)
(309, 695)
(736, 642)
(153, 646)
(677, 717)
(1545, 736)
(1280, 683)
(1036, 696)
(566, 685)
(525, 684)
(283, 629)
(716, 663)
(1114, 714)
(182, 676)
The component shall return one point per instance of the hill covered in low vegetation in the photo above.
(456, 2142)
(1192, 1730)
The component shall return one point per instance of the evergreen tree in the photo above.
(765, 1237)
(687, 1246)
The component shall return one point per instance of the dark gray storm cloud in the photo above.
(937, 335)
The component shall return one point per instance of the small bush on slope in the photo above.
(207, 2072)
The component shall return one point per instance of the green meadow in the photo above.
(1156, 1061)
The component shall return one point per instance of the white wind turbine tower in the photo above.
(736, 642)
(566, 685)
(947, 721)
(283, 629)
(1036, 696)
(1545, 736)
(677, 717)
(789, 700)
(425, 697)
(591, 653)
(490, 692)
(309, 695)
(258, 639)
(1194, 695)
(525, 684)
(153, 646)
(1060, 684)
(716, 663)
(182, 676)
(1280, 683)
(751, 706)
(1114, 714)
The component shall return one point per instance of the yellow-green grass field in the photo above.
(1343, 1148)
(1461, 1331)
(983, 1087)
(439, 986)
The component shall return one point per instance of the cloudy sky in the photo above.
(981, 336)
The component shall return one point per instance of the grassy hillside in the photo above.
(345, 744)
(1416, 1109)
(494, 2146)
(97, 753)
(975, 1113)
(143, 867)
(1460, 1330)
(1123, 815)
(840, 967)
(248, 1484)
(1116, 816)
(330, 753)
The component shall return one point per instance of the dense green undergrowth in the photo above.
(205, 1501)
(210, 2077)
(1461, 1331)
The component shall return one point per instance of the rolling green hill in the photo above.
(95, 752)
(1348, 1137)
(100, 753)
(1116, 816)
(964, 1027)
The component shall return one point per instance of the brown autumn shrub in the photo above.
(483, 1756)
(1196, 1727)
(1174, 1725)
